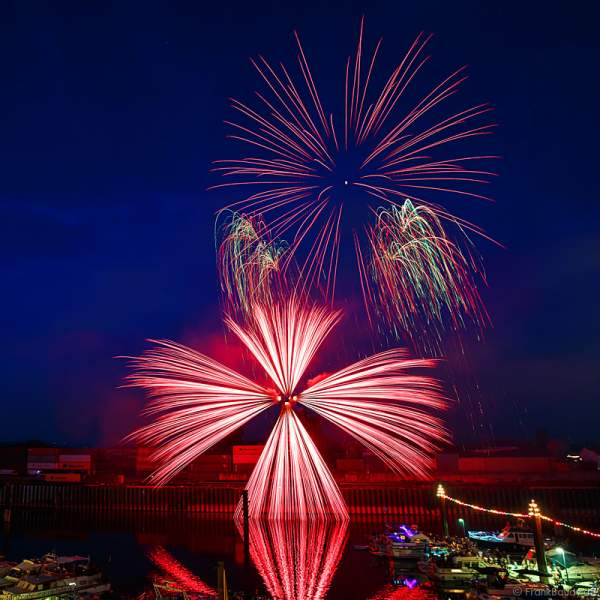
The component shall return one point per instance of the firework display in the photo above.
(382, 404)
(297, 559)
(309, 168)
(378, 176)
(291, 480)
(418, 274)
(196, 402)
(378, 400)
(250, 263)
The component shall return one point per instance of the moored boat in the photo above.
(510, 537)
(52, 577)
(401, 543)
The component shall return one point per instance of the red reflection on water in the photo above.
(297, 559)
(410, 590)
(177, 573)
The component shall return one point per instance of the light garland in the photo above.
(571, 527)
(533, 512)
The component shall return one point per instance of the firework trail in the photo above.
(297, 559)
(291, 479)
(197, 401)
(250, 264)
(306, 163)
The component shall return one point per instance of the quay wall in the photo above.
(413, 501)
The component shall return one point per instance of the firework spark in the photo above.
(379, 402)
(306, 163)
(199, 401)
(250, 263)
(297, 559)
(291, 480)
(418, 273)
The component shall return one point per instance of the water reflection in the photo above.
(297, 559)
(172, 571)
(406, 583)
(408, 588)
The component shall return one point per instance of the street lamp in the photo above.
(564, 559)
(461, 522)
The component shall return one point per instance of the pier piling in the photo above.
(441, 496)
(540, 551)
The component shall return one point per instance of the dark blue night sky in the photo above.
(112, 112)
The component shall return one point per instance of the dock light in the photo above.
(561, 551)
(534, 509)
(441, 492)
(461, 522)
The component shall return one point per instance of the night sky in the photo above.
(111, 114)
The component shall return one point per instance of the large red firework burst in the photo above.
(309, 167)
(378, 400)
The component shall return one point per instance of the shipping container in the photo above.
(75, 466)
(75, 458)
(63, 477)
(42, 466)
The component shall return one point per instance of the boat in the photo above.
(511, 536)
(168, 590)
(51, 578)
(400, 543)
(567, 566)
(456, 569)
(378, 545)
(19, 570)
(5, 567)
(511, 588)
(583, 589)
(52, 587)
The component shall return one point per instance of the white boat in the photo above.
(402, 543)
(408, 550)
(51, 578)
(570, 567)
(456, 569)
(583, 589)
(510, 536)
(54, 587)
(17, 571)
(513, 589)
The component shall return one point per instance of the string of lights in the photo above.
(581, 530)
(533, 511)
(441, 493)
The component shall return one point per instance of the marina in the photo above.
(162, 554)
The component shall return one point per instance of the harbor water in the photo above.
(135, 548)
